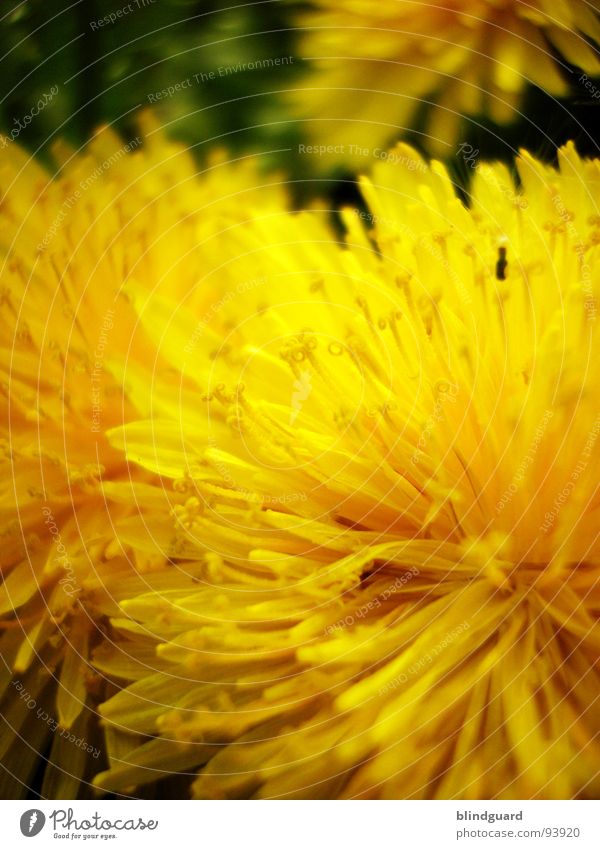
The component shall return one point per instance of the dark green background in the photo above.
(105, 74)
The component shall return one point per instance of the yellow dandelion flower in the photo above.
(76, 250)
(380, 473)
(376, 66)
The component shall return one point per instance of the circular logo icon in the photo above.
(32, 822)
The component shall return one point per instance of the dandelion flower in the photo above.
(379, 68)
(115, 218)
(380, 470)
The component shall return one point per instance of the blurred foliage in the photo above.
(104, 73)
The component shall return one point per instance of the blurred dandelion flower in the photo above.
(377, 67)
(117, 218)
(395, 580)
